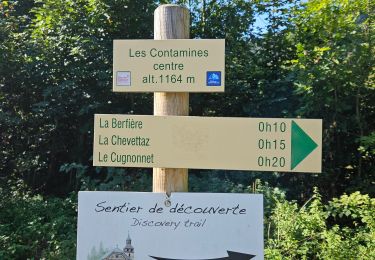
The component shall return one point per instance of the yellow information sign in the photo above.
(168, 65)
(258, 144)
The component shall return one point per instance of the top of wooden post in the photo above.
(171, 22)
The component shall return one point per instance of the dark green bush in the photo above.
(342, 229)
(33, 227)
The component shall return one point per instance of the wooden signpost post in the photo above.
(170, 142)
(171, 22)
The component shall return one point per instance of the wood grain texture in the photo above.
(171, 22)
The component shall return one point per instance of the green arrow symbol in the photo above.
(302, 144)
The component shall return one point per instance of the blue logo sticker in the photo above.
(213, 78)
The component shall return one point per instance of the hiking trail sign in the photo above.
(257, 144)
(149, 226)
(168, 65)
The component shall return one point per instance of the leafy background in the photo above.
(284, 58)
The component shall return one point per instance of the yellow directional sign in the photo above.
(168, 65)
(258, 144)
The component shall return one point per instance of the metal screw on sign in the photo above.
(167, 201)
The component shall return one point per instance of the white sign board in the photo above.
(146, 226)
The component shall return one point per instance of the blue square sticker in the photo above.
(213, 78)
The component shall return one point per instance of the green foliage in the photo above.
(343, 229)
(335, 80)
(353, 231)
(33, 227)
(368, 145)
(257, 83)
(55, 75)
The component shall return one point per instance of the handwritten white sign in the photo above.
(146, 226)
